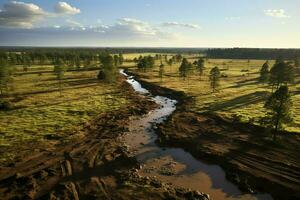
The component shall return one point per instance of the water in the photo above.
(174, 165)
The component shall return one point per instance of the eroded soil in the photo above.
(247, 153)
(96, 166)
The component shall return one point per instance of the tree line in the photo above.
(253, 53)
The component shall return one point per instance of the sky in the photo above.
(151, 23)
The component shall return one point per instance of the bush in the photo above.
(101, 75)
(236, 118)
(5, 105)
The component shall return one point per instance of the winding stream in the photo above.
(174, 165)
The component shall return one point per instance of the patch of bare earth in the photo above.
(249, 156)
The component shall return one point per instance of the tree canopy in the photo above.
(214, 78)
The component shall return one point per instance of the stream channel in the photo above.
(174, 165)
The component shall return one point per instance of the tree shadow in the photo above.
(240, 101)
(247, 82)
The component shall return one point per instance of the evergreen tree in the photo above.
(161, 72)
(200, 67)
(121, 59)
(264, 73)
(185, 68)
(5, 76)
(214, 78)
(116, 60)
(77, 63)
(146, 63)
(279, 105)
(108, 69)
(281, 73)
(26, 63)
(297, 64)
(59, 71)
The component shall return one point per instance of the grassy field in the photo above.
(239, 93)
(41, 116)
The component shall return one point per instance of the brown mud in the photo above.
(96, 166)
(250, 158)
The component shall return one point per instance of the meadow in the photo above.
(239, 96)
(41, 116)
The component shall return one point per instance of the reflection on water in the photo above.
(174, 165)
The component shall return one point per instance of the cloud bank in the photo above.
(65, 8)
(20, 14)
(280, 13)
(184, 25)
(17, 14)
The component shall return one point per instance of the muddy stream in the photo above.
(174, 165)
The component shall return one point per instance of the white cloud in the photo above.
(280, 13)
(232, 18)
(184, 25)
(20, 14)
(130, 27)
(65, 8)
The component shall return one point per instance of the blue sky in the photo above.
(151, 23)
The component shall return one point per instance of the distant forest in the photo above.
(248, 53)
(229, 53)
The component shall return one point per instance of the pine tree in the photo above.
(281, 73)
(5, 76)
(108, 69)
(59, 71)
(200, 67)
(161, 72)
(185, 68)
(214, 78)
(278, 105)
(264, 73)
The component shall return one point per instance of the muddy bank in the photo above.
(96, 166)
(247, 154)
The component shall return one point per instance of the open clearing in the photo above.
(240, 94)
(41, 117)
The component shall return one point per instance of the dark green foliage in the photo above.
(178, 58)
(253, 53)
(170, 62)
(5, 75)
(59, 71)
(185, 68)
(108, 70)
(161, 71)
(145, 63)
(121, 59)
(297, 62)
(214, 78)
(5, 105)
(264, 73)
(116, 60)
(26, 63)
(200, 66)
(101, 75)
(278, 105)
(281, 73)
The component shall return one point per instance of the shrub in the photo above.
(101, 75)
(5, 105)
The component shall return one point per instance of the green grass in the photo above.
(39, 110)
(239, 93)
